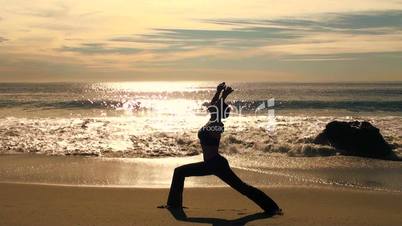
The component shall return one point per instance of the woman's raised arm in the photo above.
(219, 89)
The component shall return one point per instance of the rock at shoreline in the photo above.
(355, 138)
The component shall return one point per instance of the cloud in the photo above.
(2, 39)
(60, 26)
(56, 11)
(331, 58)
(58, 16)
(346, 56)
(355, 22)
(99, 48)
(50, 11)
(239, 34)
(322, 39)
(363, 20)
(186, 40)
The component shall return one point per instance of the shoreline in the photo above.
(157, 173)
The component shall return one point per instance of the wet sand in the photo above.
(26, 204)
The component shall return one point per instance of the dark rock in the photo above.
(355, 138)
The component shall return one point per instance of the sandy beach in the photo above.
(23, 204)
(51, 190)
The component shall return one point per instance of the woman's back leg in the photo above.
(260, 198)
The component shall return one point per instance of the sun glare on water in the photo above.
(164, 106)
(157, 87)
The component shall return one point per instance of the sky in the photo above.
(287, 40)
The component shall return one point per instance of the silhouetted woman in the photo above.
(214, 163)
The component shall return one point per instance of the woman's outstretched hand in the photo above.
(228, 90)
(220, 87)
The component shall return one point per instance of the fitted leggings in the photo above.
(219, 167)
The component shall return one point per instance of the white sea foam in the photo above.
(169, 135)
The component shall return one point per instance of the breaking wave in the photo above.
(148, 138)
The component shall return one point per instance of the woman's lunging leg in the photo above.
(256, 195)
(175, 198)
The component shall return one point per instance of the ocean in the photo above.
(270, 129)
